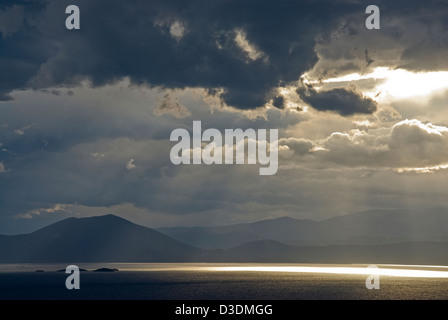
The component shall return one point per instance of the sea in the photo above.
(209, 281)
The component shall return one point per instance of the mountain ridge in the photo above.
(100, 238)
(111, 238)
(366, 227)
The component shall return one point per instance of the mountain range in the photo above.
(378, 236)
(371, 227)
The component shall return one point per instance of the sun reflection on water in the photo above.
(396, 272)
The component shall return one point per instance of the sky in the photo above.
(86, 115)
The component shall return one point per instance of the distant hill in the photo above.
(435, 253)
(96, 239)
(372, 227)
(284, 229)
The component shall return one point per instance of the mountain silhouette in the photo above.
(112, 239)
(373, 227)
(96, 239)
(283, 229)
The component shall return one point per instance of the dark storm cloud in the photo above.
(412, 36)
(343, 101)
(179, 44)
(22, 49)
(421, 29)
(279, 102)
(172, 44)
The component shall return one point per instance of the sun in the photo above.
(397, 84)
(405, 84)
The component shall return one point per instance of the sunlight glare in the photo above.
(399, 83)
(343, 270)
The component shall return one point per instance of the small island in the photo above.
(85, 270)
(80, 269)
(106, 270)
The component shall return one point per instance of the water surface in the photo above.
(220, 282)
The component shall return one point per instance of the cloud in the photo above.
(169, 105)
(430, 108)
(411, 39)
(419, 144)
(102, 147)
(252, 52)
(406, 144)
(177, 30)
(57, 208)
(279, 102)
(88, 168)
(298, 145)
(224, 45)
(340, 100)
